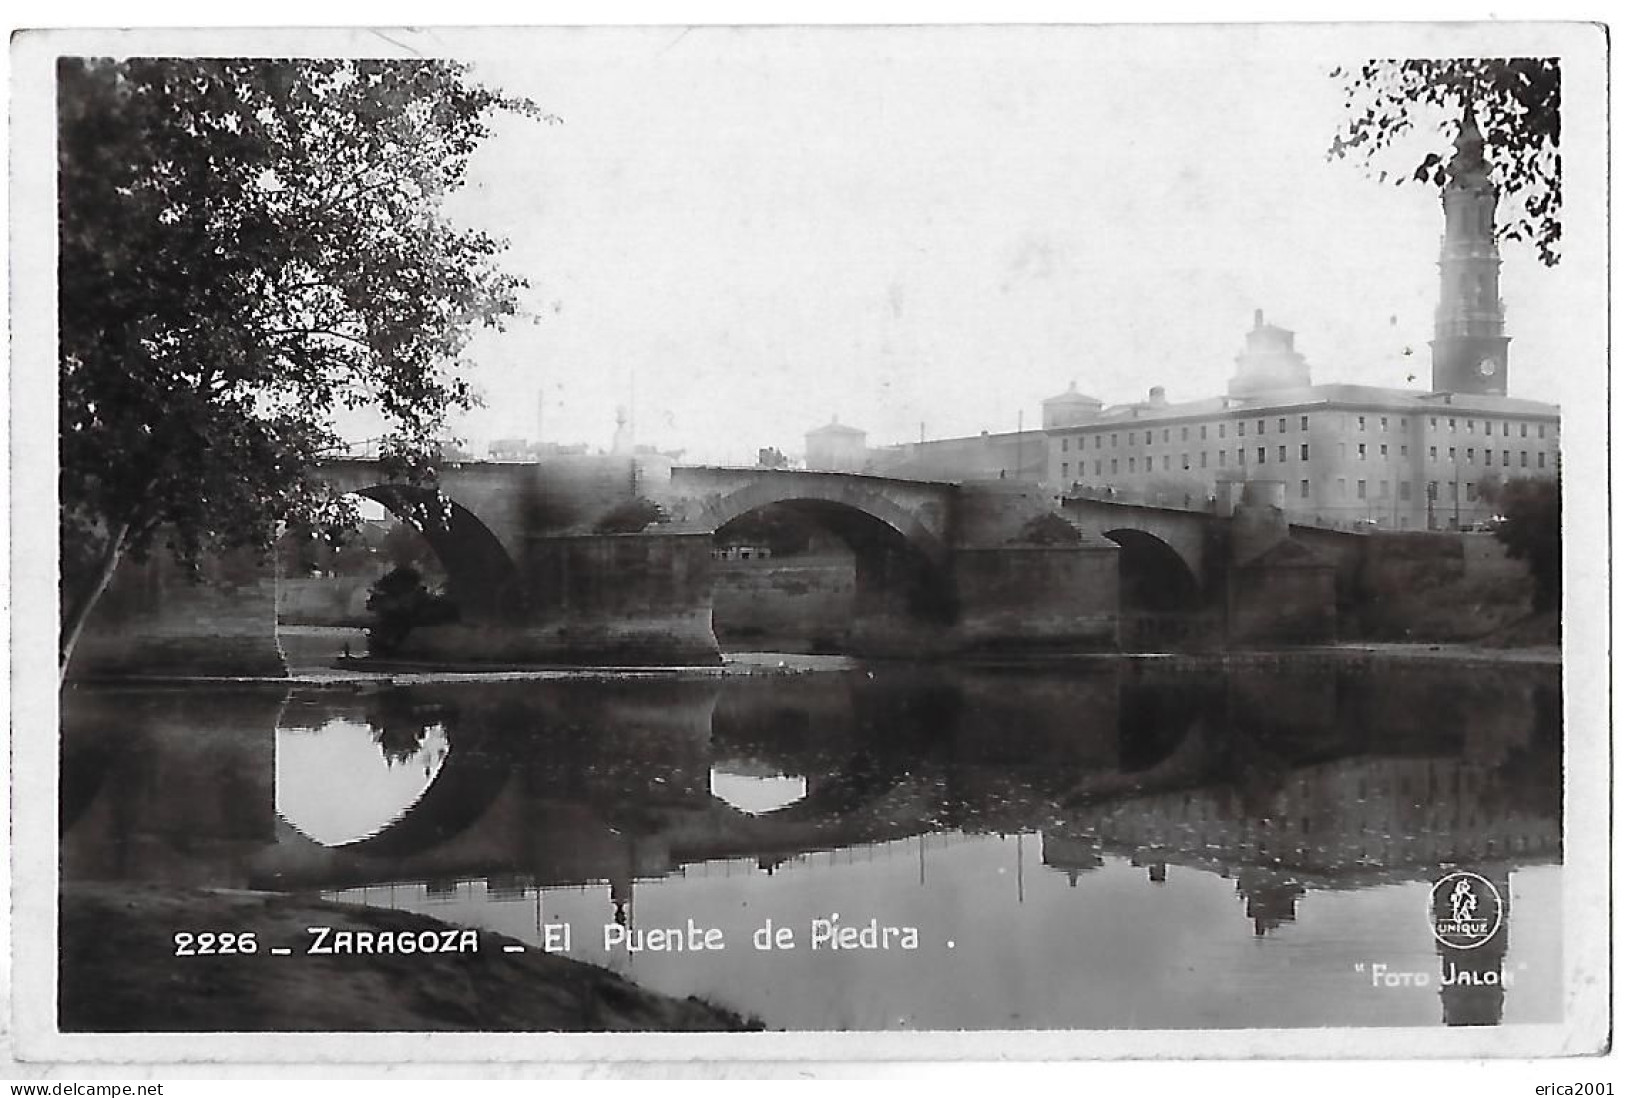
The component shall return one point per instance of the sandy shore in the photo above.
(120, 974)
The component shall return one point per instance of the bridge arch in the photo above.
(1158, 593)
(481, 577)
(832, 501)
(900, 570)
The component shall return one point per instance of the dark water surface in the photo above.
(1110, 846)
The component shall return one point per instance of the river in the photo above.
(1099, 845)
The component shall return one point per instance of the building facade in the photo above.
(1350, 456)
(836, 448)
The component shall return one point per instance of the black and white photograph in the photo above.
(863, 543)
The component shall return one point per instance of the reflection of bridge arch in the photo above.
(481, 576)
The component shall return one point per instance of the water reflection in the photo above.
(753, 787)
(1116, 847)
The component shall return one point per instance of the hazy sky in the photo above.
(742, 232)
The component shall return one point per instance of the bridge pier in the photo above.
(156, 621)
(593, 599)
(1277, 590)
(1015, 597)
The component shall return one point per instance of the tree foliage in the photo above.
(249, 248)
(399, 602)
(1532, 531)
(1517, 103)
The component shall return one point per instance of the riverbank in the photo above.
(119, 973)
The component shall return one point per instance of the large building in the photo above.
(1349, 455)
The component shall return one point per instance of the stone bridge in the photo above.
(543, 571)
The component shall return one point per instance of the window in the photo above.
(1303, 423)
(1063, 444)
(1114, 438)
(1221, 458)
(1523, 430)
(1241, 428)
(1184, 461)
(1405, 491)
(1359, 489)
(1523, 459)
(1489, 456)
(1342, 488)
(1404, 450)
(1506, 457)
(1540, 459)
(1165, 463)
(1202, 457)
(1204, 432)
(1097, 467)
(1066, 470)
(1360, 451)
(1433, 453)
(1303, 451)
(1260, 426)
(1506, 429)
(1261, 455)
(1281, 455)
(1097, 441)
(1469, 426)
(1221, 430)
(1241, 456)
(1433, 423)
(1114, 466)
(1133, 464)
(1164, 435)
(1452, 423)
(1362, 422)
(1452, 452)
(1303, 489)
(1148, 438)
(1384, 422)
(1541, 430)
(1281, 426)
(1184, 434)
(1382, 450)
(1472, 492)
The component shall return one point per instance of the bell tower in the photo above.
(1469, 344)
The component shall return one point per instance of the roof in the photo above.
(836, 429)
(1405, 401)
(1072, 396)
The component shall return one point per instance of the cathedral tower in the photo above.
(1469, 347)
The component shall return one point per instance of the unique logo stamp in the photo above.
(1467, 910)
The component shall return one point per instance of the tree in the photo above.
(247, 249)
(1533, 532)
(1516, 102)
(399, 602)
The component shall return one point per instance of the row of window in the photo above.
(1184, 433)
(1404, 490)
(1148, 464)
(1488, 428)
(1489, 456)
